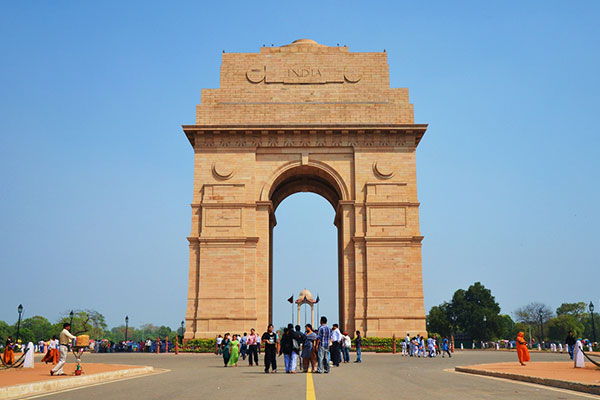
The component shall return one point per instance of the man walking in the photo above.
(336, 338)
(252, 343)
(446, 348)
(358, 344)
(65, 339)
(570, 341)
(219, 341)
(271, 343)
(346, 345)
(243, 345)
(323, 338)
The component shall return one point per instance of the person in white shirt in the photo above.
(336, 338)
(219, 340)
(65, 339)
(346, 345)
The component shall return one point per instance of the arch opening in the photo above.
(305, 256)
(311, 179)
(306, 178)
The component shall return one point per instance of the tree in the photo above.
(535, 314)
(559, 327)
(476, 312)
(25, 335)
(574, 309)
(532, 312)
(473, 312)
(438, 320)
(5, 331)
(587, 323)
(507, 327)
(40, 327)
(89, 322)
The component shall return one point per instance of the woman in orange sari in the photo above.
(9, 354)
(522, 351)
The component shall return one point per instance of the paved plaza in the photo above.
(380, 376)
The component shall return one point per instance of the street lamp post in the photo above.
(126, 326)
(71, 315)
(20, 311)
(182, 330)
(591, 306)
(541, 329)
(484, 328)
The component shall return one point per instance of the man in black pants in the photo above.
(271, 343)
(336, 337)
(252, 347)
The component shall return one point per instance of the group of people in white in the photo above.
(419, 347)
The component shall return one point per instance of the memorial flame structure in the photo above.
(305, 117)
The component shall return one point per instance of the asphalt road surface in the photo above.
(379, 376)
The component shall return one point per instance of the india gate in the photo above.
(305, 117)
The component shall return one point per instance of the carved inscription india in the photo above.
(303, 74)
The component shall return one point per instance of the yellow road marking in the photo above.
(310, 387)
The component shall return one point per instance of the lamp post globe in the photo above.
(126, 326)
(20, 311)
(484, 330)
(541, 328)
(591, 307)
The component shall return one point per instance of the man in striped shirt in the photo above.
(323, 339)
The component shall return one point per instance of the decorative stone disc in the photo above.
(222, 171)
(383, 170)
(256, 75)
(352, 75)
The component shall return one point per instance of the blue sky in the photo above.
(97, 175)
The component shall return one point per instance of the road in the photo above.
(379, 376)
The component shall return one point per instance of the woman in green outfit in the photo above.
(235, 351)
(226, 346)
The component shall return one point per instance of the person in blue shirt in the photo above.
(323, 339)
(243, 345)
(446, 348)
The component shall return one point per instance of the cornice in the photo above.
(317, 135)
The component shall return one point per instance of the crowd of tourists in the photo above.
(50, 348)
(419, 347)
(302, 350)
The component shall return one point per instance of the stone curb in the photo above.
(576, 386)
(52, 385)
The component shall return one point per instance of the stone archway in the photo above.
(305, 117)
(316, 179)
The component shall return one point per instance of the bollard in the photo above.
(452, 343)
(394, 344)
(158, 345)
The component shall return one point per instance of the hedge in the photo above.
(378, 345)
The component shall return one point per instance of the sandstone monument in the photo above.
(305, 117)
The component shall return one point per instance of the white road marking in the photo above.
(156, 372)
(533, 385)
